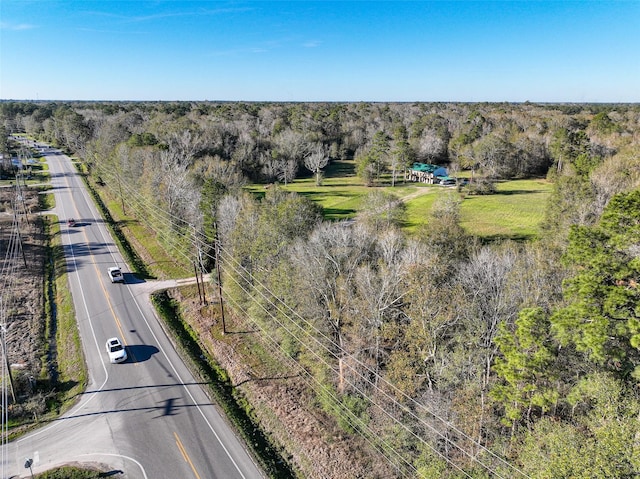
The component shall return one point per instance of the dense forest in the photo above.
(453, 356)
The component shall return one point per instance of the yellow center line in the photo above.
(183, 451)
(106, 293)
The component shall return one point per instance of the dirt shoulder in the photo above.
(22, 255)
(282, 403)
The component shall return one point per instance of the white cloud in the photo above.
(163, 15)
(312, 44)
(16, 27)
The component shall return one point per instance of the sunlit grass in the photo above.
(72, 369)
(72, 472)
(161, 262)
(515, 211)
(419, 207)
(138, 242)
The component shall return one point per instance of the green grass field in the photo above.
(515, 211)
(340, 194)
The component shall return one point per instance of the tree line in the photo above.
(468, 358)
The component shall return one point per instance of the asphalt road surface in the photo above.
(147, 417)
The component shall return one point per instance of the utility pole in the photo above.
(197, 266)
(6, 362)
(195, 270)
(204, 289)
(20, 197)
(224, 327)
(24, 257)
(124, 211)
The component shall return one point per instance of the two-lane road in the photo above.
(146, 417)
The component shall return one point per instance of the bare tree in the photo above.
(488, 302)
(269, 164)
(381, 211)
(290, 144)
(228, 210)
(185, 145)
(287, 170)
(377, 302)
(618, 173)
(175, 186)
(317, 160)
(430, 146)
(327, 264)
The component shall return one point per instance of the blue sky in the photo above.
(528, 50)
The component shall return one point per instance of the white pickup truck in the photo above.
(115, 275)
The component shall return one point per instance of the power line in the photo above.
(8, 299)
(374, 385)
(197, 240)
(314, 384)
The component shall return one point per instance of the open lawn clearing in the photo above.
(419, 206)
(340, 194)
(515, 211)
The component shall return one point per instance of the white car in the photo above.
(117, 353)
(115, 275)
